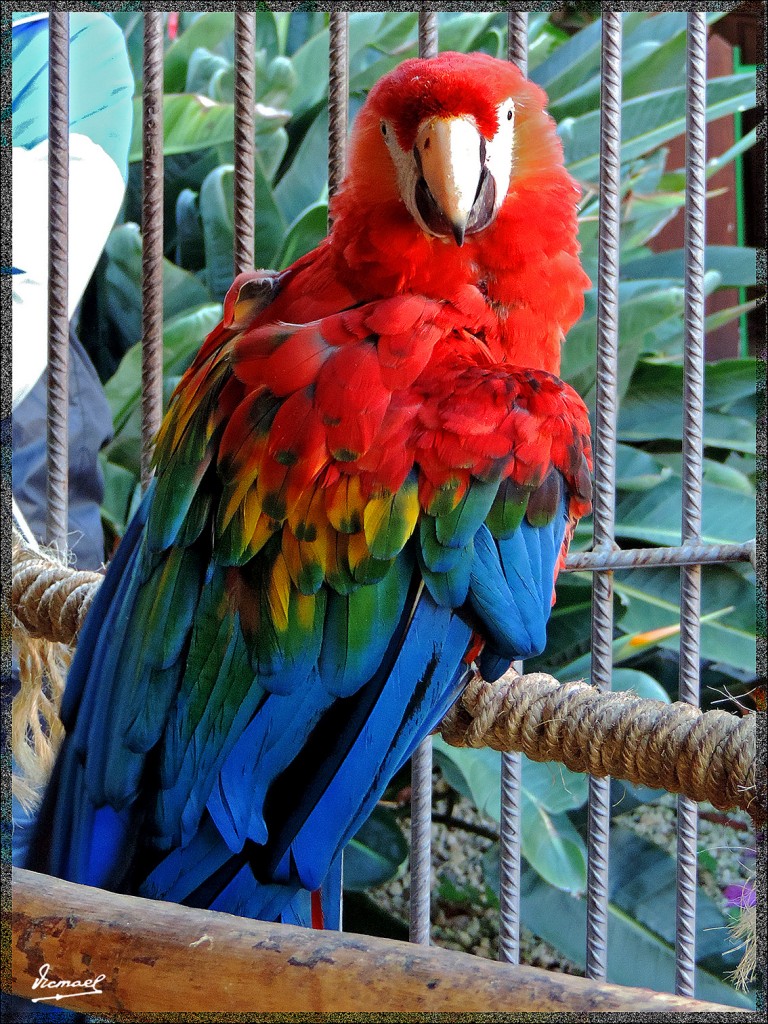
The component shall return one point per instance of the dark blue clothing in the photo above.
(90, 427)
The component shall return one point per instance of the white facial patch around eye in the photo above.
(498, 161)
(406, 170)
(499, 151)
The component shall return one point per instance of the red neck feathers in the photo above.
(525, 263)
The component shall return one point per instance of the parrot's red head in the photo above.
(447, 136)
(456, 179)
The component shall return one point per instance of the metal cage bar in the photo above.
(421, 761)
(338, 123)
(245, 142)
(428, 44)
(605, 557)
(57, 417)
(511, 764)
(338, 98)
(152, 247)
(693, 424)
(605, 470)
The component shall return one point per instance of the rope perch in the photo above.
(707, 755)
(704, 755)
(50, 599)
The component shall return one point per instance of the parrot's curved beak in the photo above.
(455, 194)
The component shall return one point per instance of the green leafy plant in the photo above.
(291, 204)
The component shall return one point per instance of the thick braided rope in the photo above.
(708, 755)
(705, 755)
(49, 598)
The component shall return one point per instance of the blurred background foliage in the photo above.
(291, 205)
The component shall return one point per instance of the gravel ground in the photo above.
(463, 916)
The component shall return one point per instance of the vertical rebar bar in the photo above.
(338, 98)
(245, 142)
(421, 843)
(428, 34)
(421, 761)
(605, 469)
(509, 858)
(152, 235)
(517, 39)
(693, 416)
(511, 764)
(57, 485)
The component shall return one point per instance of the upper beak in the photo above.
(449, 154)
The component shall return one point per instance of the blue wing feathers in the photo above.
(198, 773)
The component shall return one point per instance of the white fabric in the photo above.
(96, 190)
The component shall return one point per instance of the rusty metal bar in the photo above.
(57, 426)
(605, 470)
(421, 761)
(338, 98)
(511, 764)
(152, 249)
(694, 553)
(245, 142)
(428, 44)
(693, 451)
(517, 39)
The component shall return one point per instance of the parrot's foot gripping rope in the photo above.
(706, 755)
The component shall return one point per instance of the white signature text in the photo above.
(86, 987)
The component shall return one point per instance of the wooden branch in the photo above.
(159, 957)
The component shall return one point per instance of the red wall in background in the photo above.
(743, 27)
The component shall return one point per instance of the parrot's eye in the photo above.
(509, 115)
(383, 128)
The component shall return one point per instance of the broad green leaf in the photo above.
(636, 470)
(190, 243)
(120, 492)
(464, 31)
(717, 473)
(654, 603)
(652, 408)
(218, 219)
(650, 120)
(553, 848)
(217, 213)
(737, 266)
(550, 843)
(181, 290)
(376, 852)
(207, 31)
(305, 181)
(182, 337)
(192, 122)
(674, 181)
(306, 232)
(636, 954)
(653, 58)
(476, 773)
(641, 310)
(569, 65)
(100, 84)
(310, 61)
(654, 515)
(202, 69)
(639, 683)
(630, 645)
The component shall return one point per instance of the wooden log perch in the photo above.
(152, 957)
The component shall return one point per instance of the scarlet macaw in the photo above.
(369, 471)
